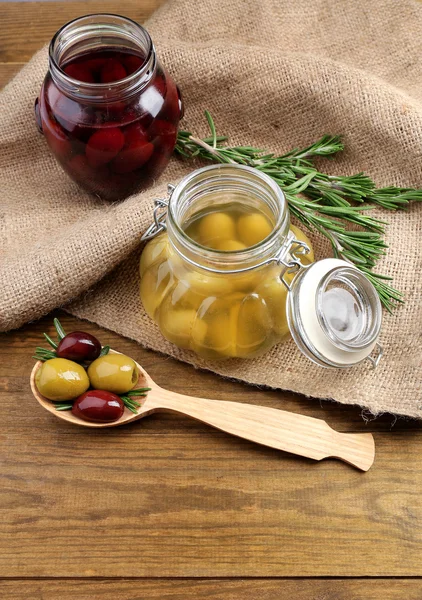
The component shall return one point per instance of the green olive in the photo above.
(252, 228)
(155, 251)
(114, 373)
(61, 379)
(216, 226)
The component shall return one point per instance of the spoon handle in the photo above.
(298, 434)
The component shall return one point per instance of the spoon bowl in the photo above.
(144, 380)
(297, 434)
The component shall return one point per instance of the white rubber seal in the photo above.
(306, 306)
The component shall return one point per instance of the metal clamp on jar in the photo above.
(233, 294)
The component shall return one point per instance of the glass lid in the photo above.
(334, 314)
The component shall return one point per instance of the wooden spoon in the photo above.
(298, 434)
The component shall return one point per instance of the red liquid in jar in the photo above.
(117, 147)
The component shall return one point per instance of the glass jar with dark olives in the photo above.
(108, 109)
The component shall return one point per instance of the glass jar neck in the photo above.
(224, 184)
(95, 33)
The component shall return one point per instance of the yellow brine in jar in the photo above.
(193, 285)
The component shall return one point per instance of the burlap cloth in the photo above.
(274, 73)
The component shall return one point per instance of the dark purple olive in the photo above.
(99, 406)
(79, 346)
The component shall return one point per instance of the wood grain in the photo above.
(213, 590)
(168, 496)
(128, 504)
(25, 28)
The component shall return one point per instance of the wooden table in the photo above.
(170, 509)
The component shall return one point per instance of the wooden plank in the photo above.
(172, 497)
(27, 26)
(108, 504)
(7, 71)
(187, 499)
(213, 590)
(16, 349)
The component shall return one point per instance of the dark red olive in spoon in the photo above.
(99, 406)
(79, 346)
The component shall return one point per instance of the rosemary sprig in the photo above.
(63, 406)
(129, 398)
(394, 198)
(321, 202)
(44, 354)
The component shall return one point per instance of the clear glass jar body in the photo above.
(219, 304)
(112, 136)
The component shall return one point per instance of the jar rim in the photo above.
(265, 247)
(97, 91)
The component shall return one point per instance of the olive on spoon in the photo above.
(290, 432)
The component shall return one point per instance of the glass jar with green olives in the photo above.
(224, 268)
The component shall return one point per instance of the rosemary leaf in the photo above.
(138, 392)
(131, 405)
(60, 331)
(50, 341)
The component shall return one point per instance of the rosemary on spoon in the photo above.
(321, 202)
(44, 354)
(128, 399)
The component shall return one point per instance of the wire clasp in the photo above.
(160, 216)
(289, 256)
(375, 360)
